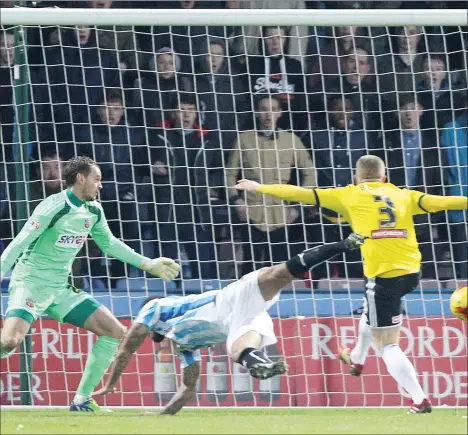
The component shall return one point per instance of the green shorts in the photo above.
(29, 300)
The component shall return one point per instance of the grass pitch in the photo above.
(251, 421)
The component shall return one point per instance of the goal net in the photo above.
(175, 106)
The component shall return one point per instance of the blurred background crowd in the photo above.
(174, 115)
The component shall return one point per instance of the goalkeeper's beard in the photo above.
(90, 197)
(86, 194)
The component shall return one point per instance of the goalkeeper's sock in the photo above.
(312, 257)
(96, 366)
(251, 356)
(401, 369)
(359, 353)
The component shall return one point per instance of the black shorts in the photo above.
(382, 305)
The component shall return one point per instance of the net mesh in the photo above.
(174, 116)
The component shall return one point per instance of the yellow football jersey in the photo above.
(384, 213)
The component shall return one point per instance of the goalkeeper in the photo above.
(382, 213)
(45, 249)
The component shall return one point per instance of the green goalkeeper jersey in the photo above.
(50, 240)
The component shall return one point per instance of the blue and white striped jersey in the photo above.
(191, 322)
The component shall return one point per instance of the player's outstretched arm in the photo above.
(285, 192)
(32, 229)
(186, 390)
(164, 268)
(131, 343)
(434, 203)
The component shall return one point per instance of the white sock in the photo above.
(401, 369)
(79, 399)
(360, 351)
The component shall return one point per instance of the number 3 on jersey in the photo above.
(388, 211)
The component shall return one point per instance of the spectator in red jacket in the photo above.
(156, 91)
(186, 167)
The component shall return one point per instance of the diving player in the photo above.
(236, 315)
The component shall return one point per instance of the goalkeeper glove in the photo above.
(163, 267)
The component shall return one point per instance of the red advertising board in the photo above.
(437, 347)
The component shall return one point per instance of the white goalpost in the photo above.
(212, 17)
(112, 84)
(239, 17)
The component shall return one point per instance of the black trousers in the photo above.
(265, 248)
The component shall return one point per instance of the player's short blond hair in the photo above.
(370, 168)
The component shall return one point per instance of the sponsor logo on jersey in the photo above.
(71, 241)
(30, 302)
(87, 223)
(396, 319)
(389, 234)
(34, 224)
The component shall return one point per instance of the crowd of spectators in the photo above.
(174, 115)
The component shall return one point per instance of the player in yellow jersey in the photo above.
(383, 213)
